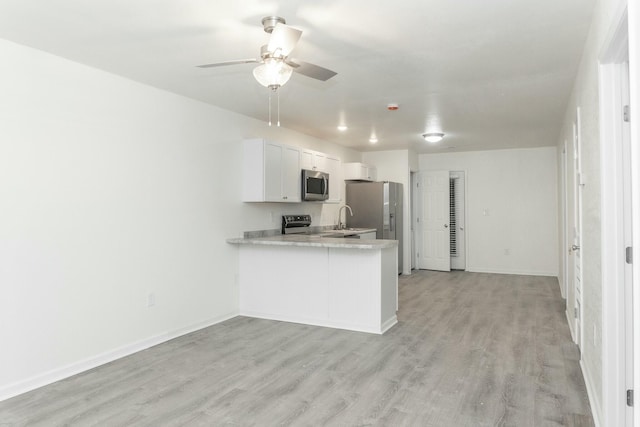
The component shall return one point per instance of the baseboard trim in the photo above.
(512, 272)
(57, 374)
(325, 323)
(570, 323)
(596, 410)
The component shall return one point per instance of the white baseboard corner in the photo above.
(594, 402)
(57, 374)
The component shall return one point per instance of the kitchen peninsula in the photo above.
(334, 282)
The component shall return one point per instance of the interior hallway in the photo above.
(470, 349)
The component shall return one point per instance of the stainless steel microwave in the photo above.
(315, 185)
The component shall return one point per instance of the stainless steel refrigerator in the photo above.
(377, 205)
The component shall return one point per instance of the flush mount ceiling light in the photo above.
(433, 136)
(373, 140)
(342, 128)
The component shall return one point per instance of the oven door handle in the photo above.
(326, 186)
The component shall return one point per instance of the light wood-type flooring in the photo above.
(470, 349)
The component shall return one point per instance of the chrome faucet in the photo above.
(340, 225)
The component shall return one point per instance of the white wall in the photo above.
(111, 190)
(517, 189)
(585, 96)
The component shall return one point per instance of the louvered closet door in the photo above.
(457, 220)
(434, 252)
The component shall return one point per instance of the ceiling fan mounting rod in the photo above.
(270, 22)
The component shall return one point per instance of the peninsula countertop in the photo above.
(316, 240)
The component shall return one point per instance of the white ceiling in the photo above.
(488, 73)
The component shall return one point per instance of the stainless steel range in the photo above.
(296, 224)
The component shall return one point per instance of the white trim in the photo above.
(513, 272)
(596, 409)
(634, 82)
(57, 374)
(612, 230)
(570, 322)
(614, 53)
(564, 239)
(384, 326)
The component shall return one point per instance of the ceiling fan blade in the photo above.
(223, 63)
(311, 70)
(284, 38)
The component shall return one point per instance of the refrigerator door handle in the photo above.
(392, 222)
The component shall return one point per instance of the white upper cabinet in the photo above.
(313, 160)
(271, 172)
(336, 182)
(359, 172)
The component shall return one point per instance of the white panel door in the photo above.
(434, 253)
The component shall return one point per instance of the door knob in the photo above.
(574, 248)
(446, 226)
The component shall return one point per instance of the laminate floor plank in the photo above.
(469, 349)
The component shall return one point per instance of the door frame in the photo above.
(565, 222)
(617, 317)
(578, 185)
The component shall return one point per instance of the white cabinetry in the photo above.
(359, 172)
(314, 160)
(371, 235)
(271, 172)
(334, 169)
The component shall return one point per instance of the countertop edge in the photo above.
(314, 241)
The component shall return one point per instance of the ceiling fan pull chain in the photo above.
(269, 108)
(278, 97)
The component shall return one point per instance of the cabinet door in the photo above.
(370, 173)
(291, 175)
(306, 159)
(334, 169)
(273, 156)
(320, 162)
(371, 235)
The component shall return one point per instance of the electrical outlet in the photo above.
(151, 299)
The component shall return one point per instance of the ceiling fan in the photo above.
(276, 66)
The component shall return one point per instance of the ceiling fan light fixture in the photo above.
(273, 73)
(433, 137)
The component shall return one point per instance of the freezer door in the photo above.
(397, 222)
(387, 213)
(366, 202)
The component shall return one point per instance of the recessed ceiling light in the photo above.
(433, 136)
(373, 140)
(342, 128)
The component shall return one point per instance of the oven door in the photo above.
(315, 185)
